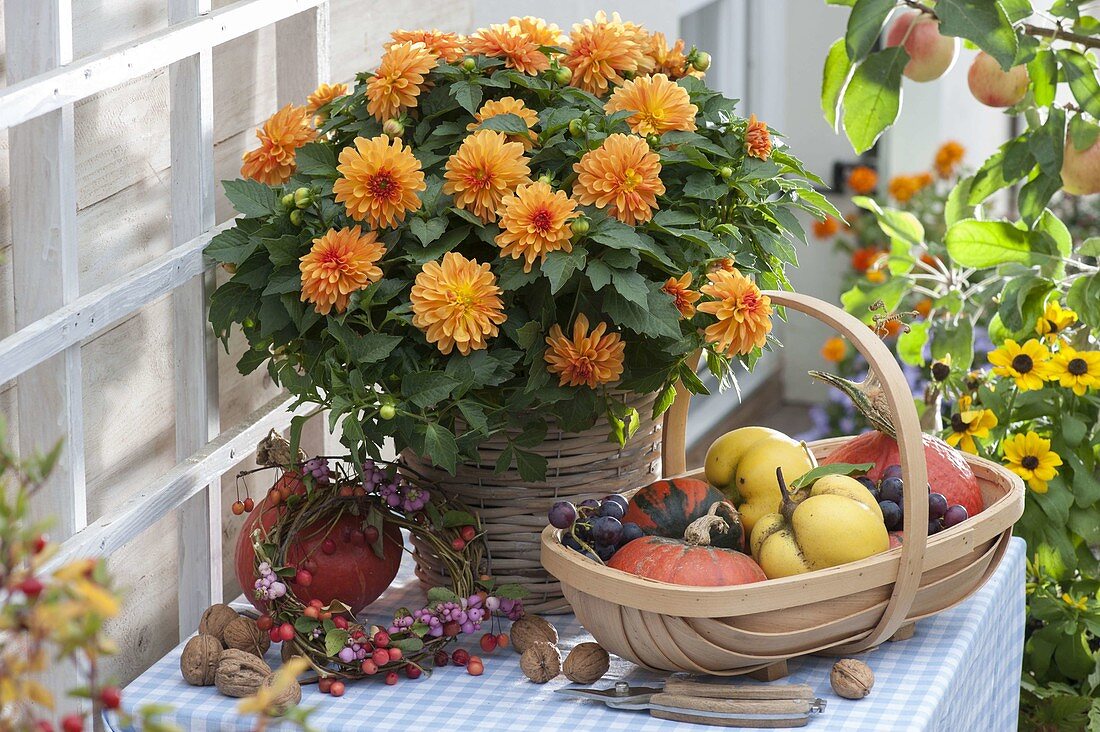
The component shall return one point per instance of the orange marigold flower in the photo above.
(623, 174)
(600, 51)
(659, 105)
(758, 142)
(325, 94)
(862, 180)
(834, 350)
(399, 80)
(904, 187)
(923, 307)
(519, 50)
(538, 30)
(683, 297)
(340, 262)
(457, 304)
(743, 313)
(485, 169)
(948, 158)
(587, 358)
(863, 259)
(670, 61)
(379, 181)
(508, 105)
(827, 227)
(534, 221)
(445, 45)
(272, 163)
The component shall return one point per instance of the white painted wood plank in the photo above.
(109, 533)
(95, 312)
(301, 63)
(38, 34)
(72, 82)
(191, 101)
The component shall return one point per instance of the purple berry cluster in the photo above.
(268, 586)
(395, 490)
(317, 468)
(452, 617)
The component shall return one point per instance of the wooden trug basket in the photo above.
(842, 610)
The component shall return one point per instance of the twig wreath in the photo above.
(312, 497)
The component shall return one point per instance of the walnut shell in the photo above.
(288, 650)
(541, 662)
(243, 633)
(215, 619)
(289, 697)
(240, 673)
(586, 663)
(532, 629)
(851, 679)
(199, 660)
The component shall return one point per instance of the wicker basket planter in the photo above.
(841, 610)
(513, 511)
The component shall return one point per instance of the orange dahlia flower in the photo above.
(519, 50)
(272, 163)
(587, 358)
(669, 61)
(538, 30)
(683, 297)
(379, 180)
(659, 105)
(904, 187)
(862, 180)
(399, 80)
(508, 105)
(758, 141)
(457, 304)
(447, 46)
(827, 227)
(535, 221)
(600, 51)
(324, 95)
(743, 312)
(948, 158)
(485, 169)
(725, 263)
(340, 262)
(623, 174)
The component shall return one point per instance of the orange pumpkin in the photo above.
(948, 471)
(667, 507)
(681, 563)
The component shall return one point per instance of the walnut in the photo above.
(851, 679)
(199, 660)
(289, 697)
(243, 633)
(586, 663)
(215, 619)
(532, 629)
(541, 662)
(240, 673)
(288, 650)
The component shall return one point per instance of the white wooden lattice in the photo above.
(52, 319)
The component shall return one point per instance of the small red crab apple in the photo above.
(337, 688)
(474, 666)
(467, 533)
(488, 642)
(460, 657)
(391, 678)
(412, 671)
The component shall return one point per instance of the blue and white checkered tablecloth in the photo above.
(959, 673)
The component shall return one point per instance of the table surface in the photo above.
(960, 671)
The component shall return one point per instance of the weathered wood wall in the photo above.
(123, 188)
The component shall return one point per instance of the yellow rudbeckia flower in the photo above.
(1077, 370)
(1030, 457)
(968, 423)
(1028, 364)
(1053, 321)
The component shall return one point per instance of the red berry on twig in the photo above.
(31, 587)
(249, 504)
(391, 678)
(460, 657)
(72, 723)
(303, 577)
(111, 697)
(237, 508)
(488, 642)
(412, 671)
(286, 632)
(328, 546)
(369, 667)
(458, 544)
(381, 639)
(37, 546)
(467, 533)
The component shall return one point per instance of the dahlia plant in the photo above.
(494, 231)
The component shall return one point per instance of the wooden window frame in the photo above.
(53, 319)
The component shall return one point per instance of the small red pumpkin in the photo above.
(680, 563)
(667, 507)
(352, 573)
(948, 471)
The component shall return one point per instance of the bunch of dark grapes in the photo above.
(594, 528)
(890, 493)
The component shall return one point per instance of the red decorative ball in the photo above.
(352, 573)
